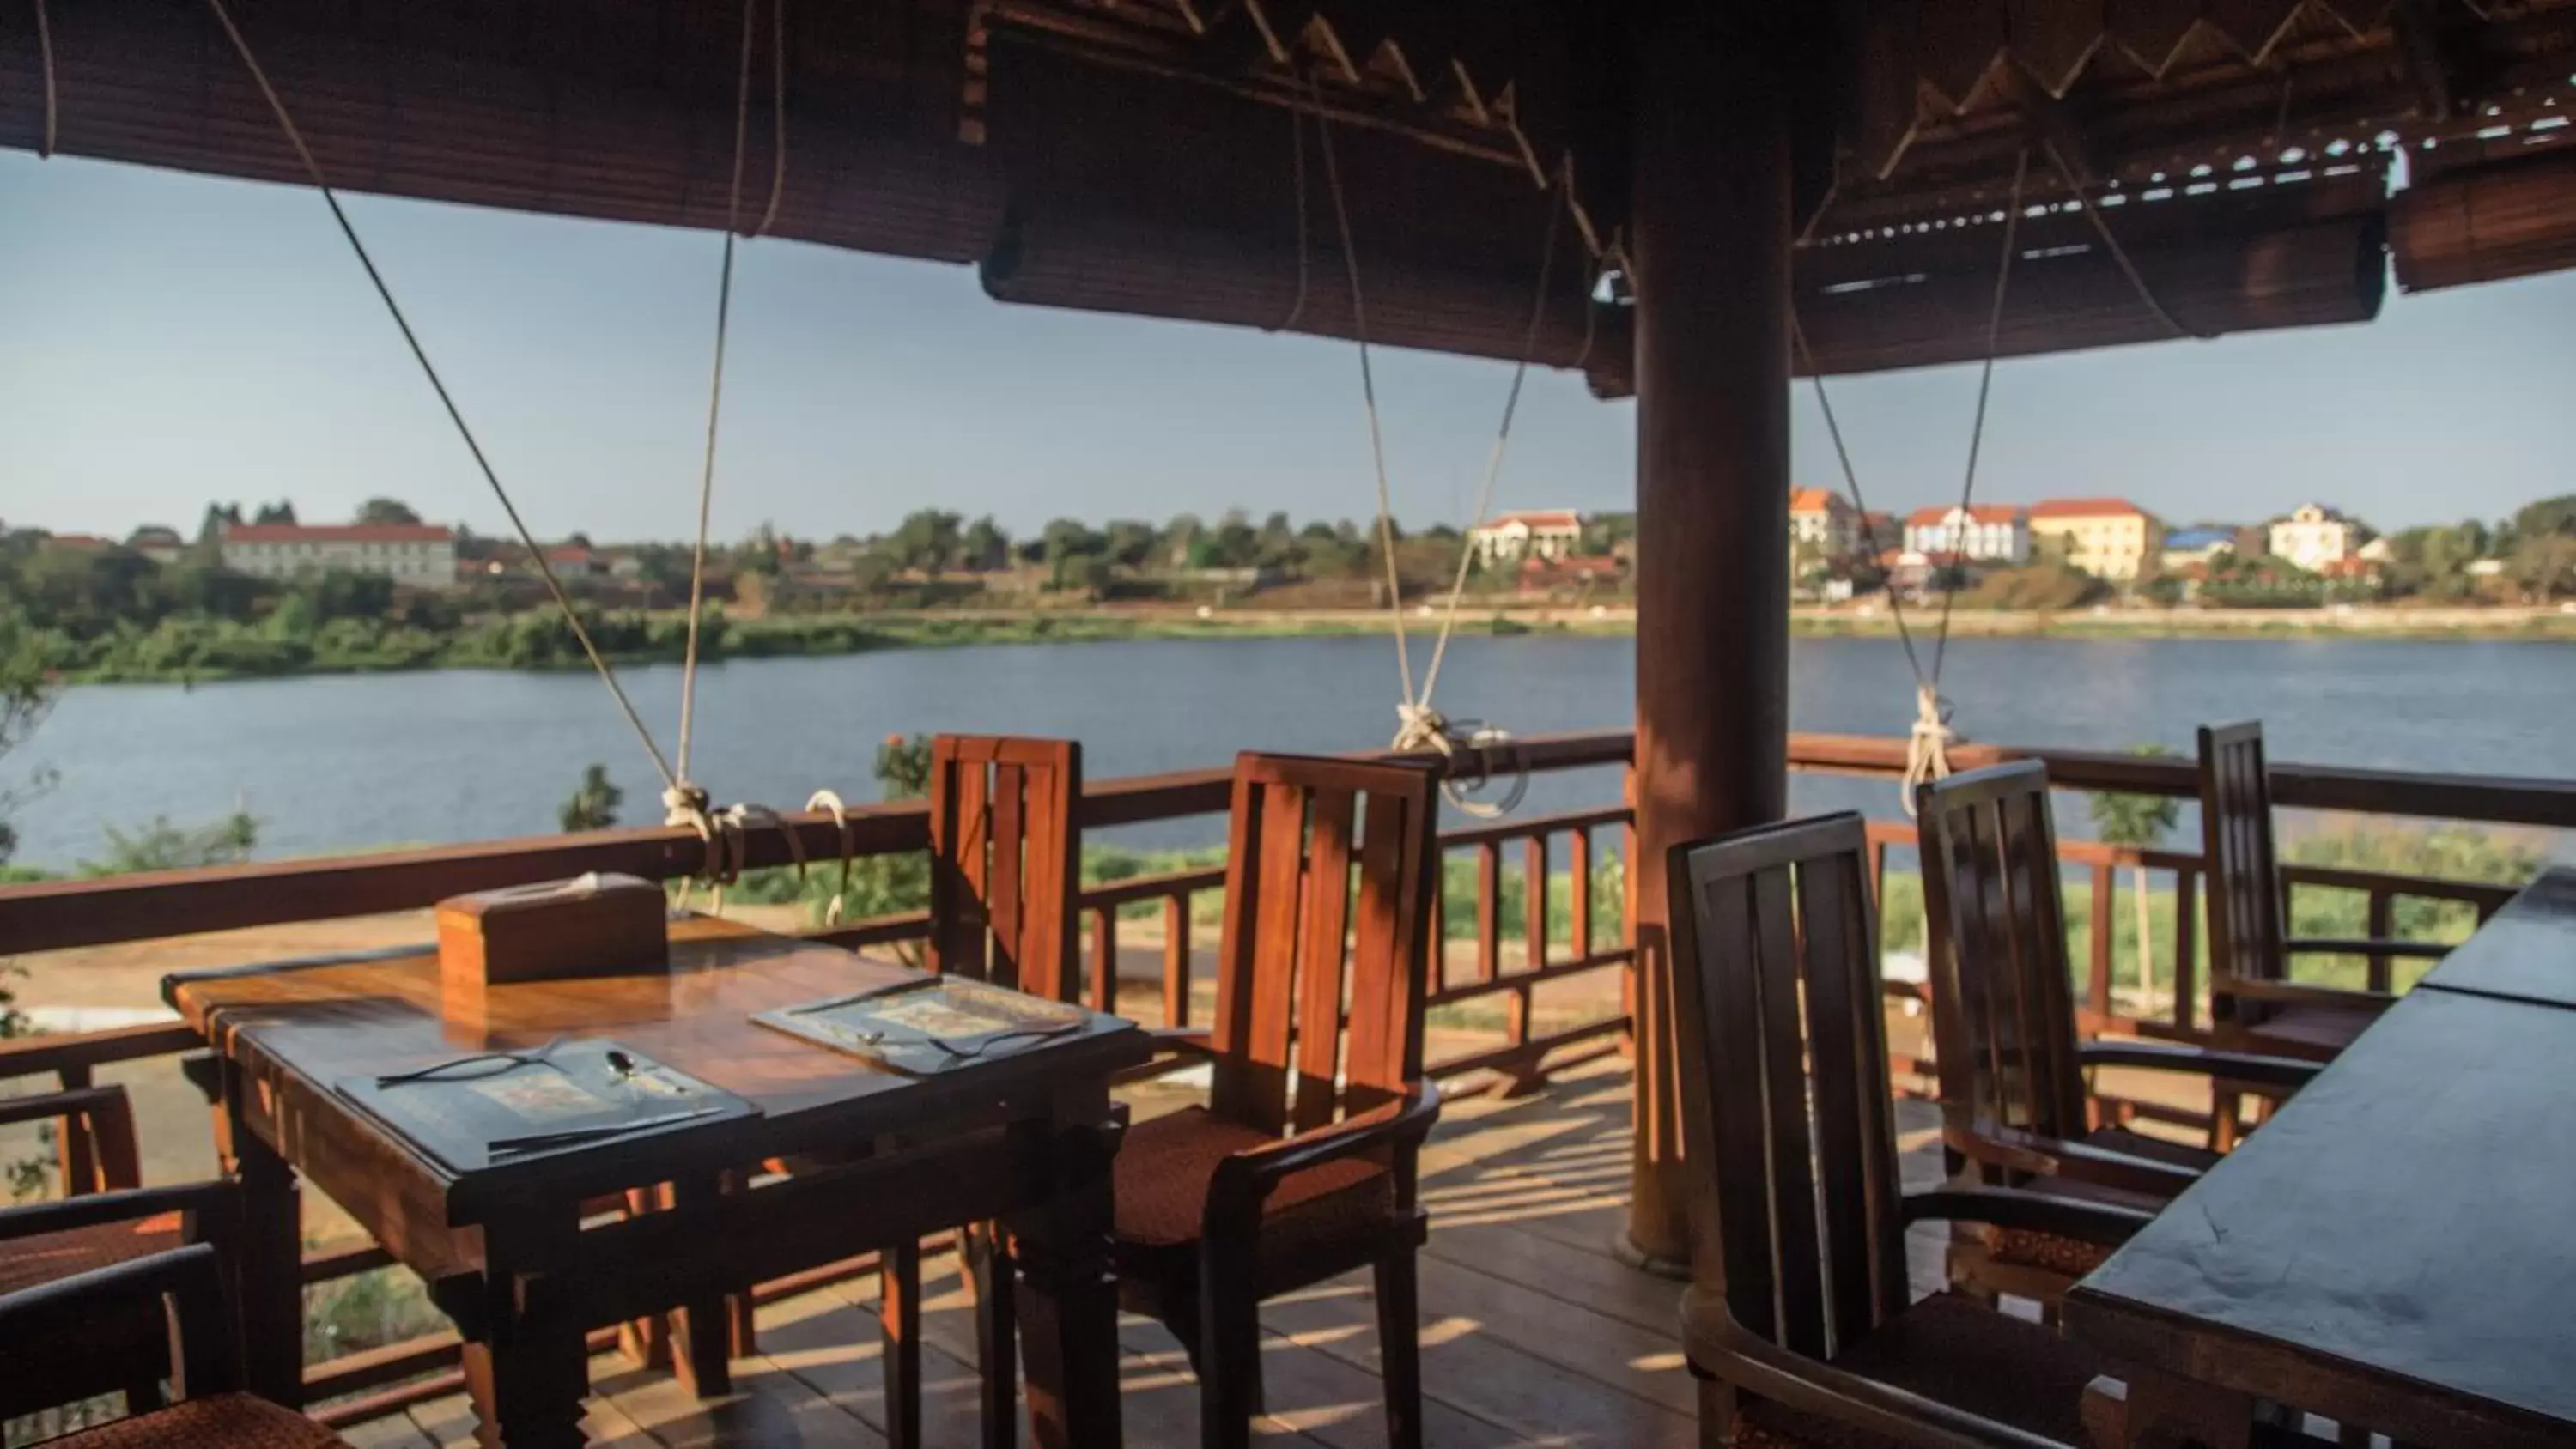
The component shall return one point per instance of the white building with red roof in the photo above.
(1821, 522)
(422, 555)
(1542, 533)
(1985, 533)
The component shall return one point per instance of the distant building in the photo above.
(2315, 536)
(2189, 547)
(422, 555)
(1819, 520)
(1552, 533)
(1879, 532)
(2109, 538)
(161, 545)
(1986, 533)
(79, 542)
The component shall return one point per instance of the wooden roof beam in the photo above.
(2054, 126)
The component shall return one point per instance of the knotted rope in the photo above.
(829, 800)
(1419, 723)
(1927, 745)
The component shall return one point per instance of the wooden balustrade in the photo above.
(54, 915)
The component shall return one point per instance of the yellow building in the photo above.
(2109, 538)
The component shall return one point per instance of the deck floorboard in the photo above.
(1533, 1330)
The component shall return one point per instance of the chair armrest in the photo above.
(2109, 1224)
(2286, 1073)
(2356, 946)
(2013, 1149)
(73, 1102)
(2302, 993)
(1724, 1349)
(190, 1275)
(1408, 1118)
(122, 1206)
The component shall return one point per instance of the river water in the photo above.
(335, 762)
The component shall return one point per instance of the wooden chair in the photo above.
(1005, 878)
(1798, 1323)
(182, 1289)
(1302, 1165)
(105, 1216)
(2252, 999)
(2015, 1104)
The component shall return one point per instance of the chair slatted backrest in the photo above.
(1789, 1112)
(1320, 980)
(1004, 860)
(2003, 998)
(2245, 931)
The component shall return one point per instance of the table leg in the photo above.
(529, 1373)
(1068, 1302)
(269, 1258)
(702, 1338)
(2156, 1410)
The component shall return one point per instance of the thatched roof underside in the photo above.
(1144, 156)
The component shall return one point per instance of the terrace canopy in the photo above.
(2187, 167)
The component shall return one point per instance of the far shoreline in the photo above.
(833, 635)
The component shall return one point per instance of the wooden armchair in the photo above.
(1798, 1323)
(2252, 999)
(1302, 1165)
(2014, 1100)
(149, 1298)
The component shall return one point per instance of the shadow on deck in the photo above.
(1532, 1332)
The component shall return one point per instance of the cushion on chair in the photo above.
(46, 1257)
(2311, 1030)
(1954, 1351)
(1165, 1166)
(231, 1421)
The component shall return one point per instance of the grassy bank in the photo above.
(188, 650)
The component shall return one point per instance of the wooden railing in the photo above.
(57, 915)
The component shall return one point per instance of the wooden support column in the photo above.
(1709, 232)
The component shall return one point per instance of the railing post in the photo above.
(1578, 898)
(1176, 959)
(1534, 929)
(2186, 974)
(1489, 910)
(2383, 926)
(2103, 905)
(1104, 960)
(73, 1144)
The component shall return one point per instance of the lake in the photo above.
(328, 763)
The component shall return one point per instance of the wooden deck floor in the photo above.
(1532, 1332)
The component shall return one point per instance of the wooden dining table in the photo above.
(2395, 1249)
(512, 1253)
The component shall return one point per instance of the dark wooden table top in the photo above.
(2398, 1244)
(2527, 951)
(314, 1023)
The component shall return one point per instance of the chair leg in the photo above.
(1399, 1339)
(1229, 1357)
(899, 1320)
(988, 1269)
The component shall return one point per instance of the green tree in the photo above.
(219, 516)
(985, 546)
(386, 511)
(929, 540)
(282, 511)
(593, 805)
(903, 767)
(2545, 517)
(2140, 822)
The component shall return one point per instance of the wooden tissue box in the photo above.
(593, 925)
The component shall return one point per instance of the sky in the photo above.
(166, 340)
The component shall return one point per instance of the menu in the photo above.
(922, 1028)
(490, 1109)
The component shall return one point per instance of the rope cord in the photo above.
(1494, 458)
(831, 800)
(1985, 388)
(1297, 169)
(684, 796)
(777, 116)
(411, 339)
(2119, 254)
(1368, 398)
(45, 58)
